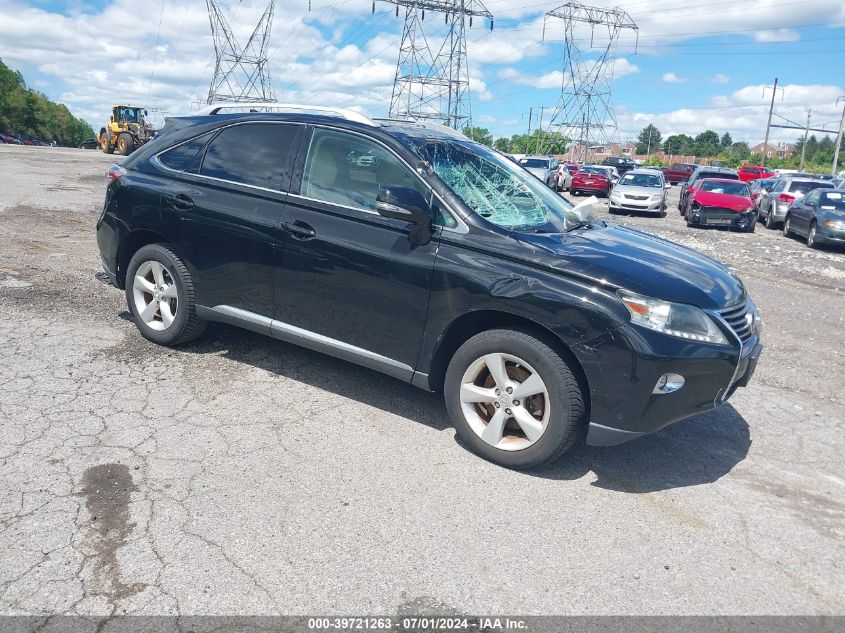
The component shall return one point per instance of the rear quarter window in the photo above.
(180, 156)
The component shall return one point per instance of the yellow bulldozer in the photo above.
(126, 130)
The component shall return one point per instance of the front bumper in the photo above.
(710, 216)
(826, 235)
(623, 367)
(618, 202)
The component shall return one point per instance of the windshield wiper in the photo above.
(582, 224)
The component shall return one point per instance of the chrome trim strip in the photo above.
(295, 108)
(720, 397)
(307, 338)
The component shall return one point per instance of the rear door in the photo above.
(224, 212)
(347, 278)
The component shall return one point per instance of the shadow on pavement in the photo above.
(695, 451)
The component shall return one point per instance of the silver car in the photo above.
(639, 190)
(784, 192)
(543, 167)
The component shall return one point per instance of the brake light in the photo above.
(115, 172)
(786, 197)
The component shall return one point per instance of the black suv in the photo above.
(705, 171)
(414, 251)
(622, 164)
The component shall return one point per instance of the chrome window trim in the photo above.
(154, 159)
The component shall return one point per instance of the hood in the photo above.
(637, 191)
(643, 263)
(724, 200)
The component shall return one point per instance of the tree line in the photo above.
(30, 114)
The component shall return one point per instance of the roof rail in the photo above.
(423, 123)
(244, 106)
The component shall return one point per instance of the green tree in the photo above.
(649, 140)
(726, 141)
(741, 150)
(707, 144)
(29, 113)
(502, 144)
(479, 134)
(678, 144)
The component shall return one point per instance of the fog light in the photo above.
(668, 383)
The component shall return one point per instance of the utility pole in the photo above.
(769, 122)
(804, 144)
(540, 129)
(838, 137)
(530, 115)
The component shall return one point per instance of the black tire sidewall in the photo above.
(560, 430)
(161, 254)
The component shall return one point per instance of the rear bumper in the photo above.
(624, 366)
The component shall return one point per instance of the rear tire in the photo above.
(770, 219)
(105, 142)
(537, 422)
(160, 296)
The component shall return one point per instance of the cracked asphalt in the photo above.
(242, 475)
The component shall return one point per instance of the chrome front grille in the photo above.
(740, 319)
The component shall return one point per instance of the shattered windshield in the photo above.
(495, 188)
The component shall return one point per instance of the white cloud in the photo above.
(672, 78)
(720, 78)
(777, 35)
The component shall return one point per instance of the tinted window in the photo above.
(349, 170)
(718, 174)
(179, 157)
(258, 154)
(802, 186)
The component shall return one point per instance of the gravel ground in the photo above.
(241, 475)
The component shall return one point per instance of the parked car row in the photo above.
(12, 139)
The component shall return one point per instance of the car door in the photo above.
(224, 212)
(801, 212)
(347, 277)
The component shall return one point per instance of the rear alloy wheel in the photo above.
(160, 295)
(513, 399)
(811, 236)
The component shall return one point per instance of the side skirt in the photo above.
(305, 338)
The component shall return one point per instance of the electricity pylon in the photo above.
(428, 85)
(240, 74)
(585, 110)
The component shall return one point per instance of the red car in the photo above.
(748, 173)
(678, 172)
(721, 202)
(593, 179)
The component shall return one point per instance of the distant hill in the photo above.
(27, 112)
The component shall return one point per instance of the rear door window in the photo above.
(254, 154)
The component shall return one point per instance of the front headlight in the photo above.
(674, 319)
(835, 224)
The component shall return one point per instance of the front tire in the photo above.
(513, 399)
(160, 296)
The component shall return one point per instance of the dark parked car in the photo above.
(441, 263)
(91, 143)
(701, 173)
(721, 202)
(819, 216)
(622, 165)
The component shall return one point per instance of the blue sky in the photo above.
(697, 66)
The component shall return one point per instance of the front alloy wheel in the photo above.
(513, 399)
(504, 401)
